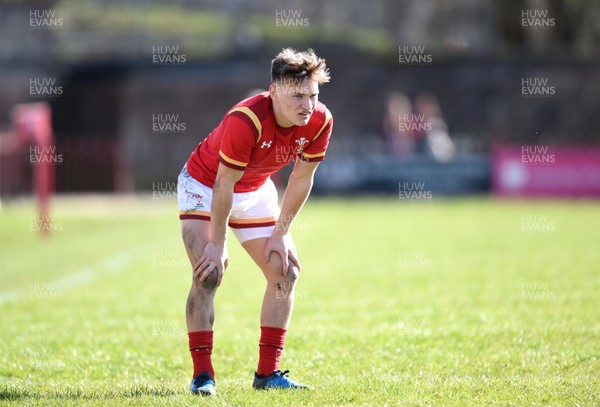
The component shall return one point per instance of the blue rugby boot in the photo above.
(276, 380)
(203, 384)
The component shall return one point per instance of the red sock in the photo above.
(271, 348)
(201, 343)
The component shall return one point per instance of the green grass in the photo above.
(488, 314)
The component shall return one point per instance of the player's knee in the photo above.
(211, 281)
(275, 268)
(293, 273)
(285, 285)
(288, 281)
(274, 263)
(209, 284)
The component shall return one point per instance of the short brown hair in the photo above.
(298, 66)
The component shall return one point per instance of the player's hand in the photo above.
(214, 257)
(285, 247)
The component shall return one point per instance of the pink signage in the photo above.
(546, 171)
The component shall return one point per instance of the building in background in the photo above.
(141, 82)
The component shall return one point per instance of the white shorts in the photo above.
(253, 214)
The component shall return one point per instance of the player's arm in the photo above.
(235, 149)
(215, 252)
(222, 201)
(296, 193)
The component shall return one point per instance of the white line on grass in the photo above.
(85, 275)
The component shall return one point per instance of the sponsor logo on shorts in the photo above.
(198, 200)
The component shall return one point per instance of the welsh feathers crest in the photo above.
(301, 142)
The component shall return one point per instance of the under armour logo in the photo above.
(266, 144)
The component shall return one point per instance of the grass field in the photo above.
(444, 302)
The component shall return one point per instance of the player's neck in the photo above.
(279, 119)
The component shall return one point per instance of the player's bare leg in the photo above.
(200, 308)
(276, 312)
(278, 301)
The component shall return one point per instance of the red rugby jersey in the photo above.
(248, 139)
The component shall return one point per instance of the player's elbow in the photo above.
(223, 183)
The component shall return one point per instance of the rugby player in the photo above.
(226, 181)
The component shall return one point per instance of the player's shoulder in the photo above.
(321, 114)
(253, 111)
(257, 107)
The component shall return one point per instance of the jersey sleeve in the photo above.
(239, 137)
(316, 149)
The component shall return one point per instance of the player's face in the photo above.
(294, 103)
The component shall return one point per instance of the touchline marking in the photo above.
(112, 265)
